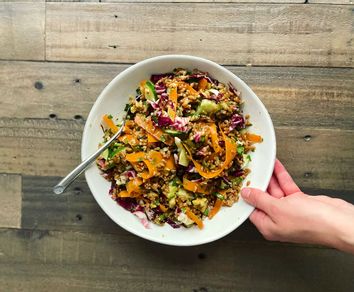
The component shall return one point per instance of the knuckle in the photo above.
(274, 209)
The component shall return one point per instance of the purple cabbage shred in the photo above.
(156, 77)
(164, 121)
(237, 121)
(128, 204)
(173, 223)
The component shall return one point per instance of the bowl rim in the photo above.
(99, 99)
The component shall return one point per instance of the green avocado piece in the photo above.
(207, 107)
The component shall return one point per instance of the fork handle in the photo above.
(66, 181)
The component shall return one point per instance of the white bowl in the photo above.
(112, 101)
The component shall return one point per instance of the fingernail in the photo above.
(245, 193)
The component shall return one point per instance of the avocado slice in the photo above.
(182, 158)
(207, 107)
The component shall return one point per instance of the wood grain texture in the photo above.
(185, 1)
(22, 31)
(298, 35)
(36, 89)
(39, 147)
(348, 2)
(52, 148)
(74, 261)
(208, 1)
(10, 200)
(313, 163)
(77, 210)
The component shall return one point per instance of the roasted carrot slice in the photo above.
(109, 123)
(202, 84)
(216, 208)
(254, 138)
(194, 218)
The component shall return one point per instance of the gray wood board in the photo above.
(75, 261)
(233, 34)
(22, 28)
(37, 89)
(77, 210)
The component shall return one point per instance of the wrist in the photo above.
(343, 235)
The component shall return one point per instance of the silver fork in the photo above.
(66, 181)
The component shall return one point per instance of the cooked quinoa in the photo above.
(184, 150)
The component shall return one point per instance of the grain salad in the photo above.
(184, 150)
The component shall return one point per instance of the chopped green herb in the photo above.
(240, 149)
(236, 181)
(116, 151)
(127, 107)
(150, 92)
(174, 182)
(162, 217)
(206, 212)
(138, 91)
(249, 157)
(110, 117)
(162, 139)
(154, 118)
(220, 196)
(202, 139)
(223, 185)
(105, 154)
(183, 210)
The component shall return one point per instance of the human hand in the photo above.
(287, 214)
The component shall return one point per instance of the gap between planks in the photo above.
(43, 147)
(72, 259)
(288, 92)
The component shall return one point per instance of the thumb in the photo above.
(258, 199)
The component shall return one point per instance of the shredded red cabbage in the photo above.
(160, 88)
(237, 121)
(173, 224)
(156, 77)
(226, 180)
(130, 174)
(197, 137)
(128, 204)
(164, 121)
(238, 173)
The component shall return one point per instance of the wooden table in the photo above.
(55, 60)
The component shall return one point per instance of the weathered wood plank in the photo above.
(10, 200)
(78, 211)
(71, 261)
(22, 1)
(32, 147)
(348, 2)
(184, 1)
(22, 31)
(313, 162)
(36, 89)
(299, 35)
(208, 1)
(39, 147)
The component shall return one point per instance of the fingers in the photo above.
(258, 199)
(263, 222)
(274, 188)
(286, 183)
